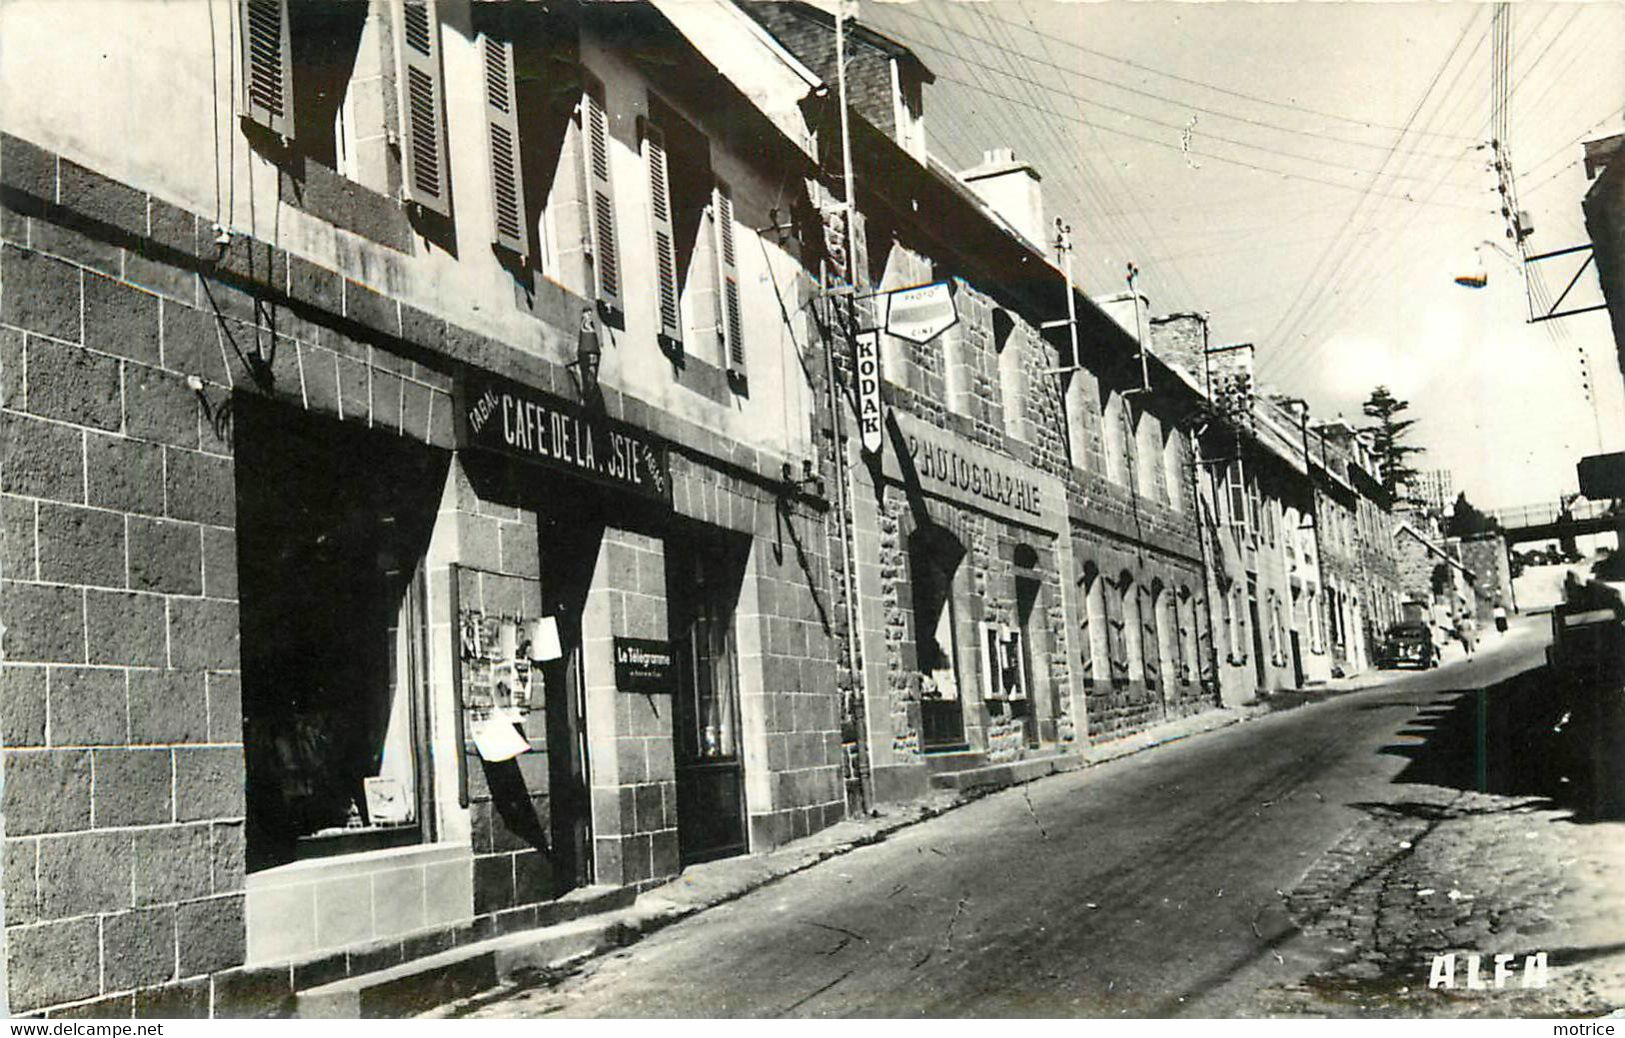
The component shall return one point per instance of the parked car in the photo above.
(1410, 642)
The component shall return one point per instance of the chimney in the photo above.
(1010, 187)
(1179, 339)
(1134, 320)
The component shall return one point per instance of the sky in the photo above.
(1314, 176)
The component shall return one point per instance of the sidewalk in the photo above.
(1490, 641)
(522, 960)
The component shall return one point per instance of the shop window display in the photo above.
(333, 524)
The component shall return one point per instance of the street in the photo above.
(1213, 877)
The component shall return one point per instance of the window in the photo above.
(1173, 468)
(318, 78)
(1239, 611)
(1119, 429)
(1236, 500)
(1095, 642)
(1167, 633)
(1189, 636)
(1079, 411)
(1012, 380)
(333, 525)
(1148, 448)
(1254, 507)
(1133, 634)
(539, 191)
(1274, 629)
(692, 233)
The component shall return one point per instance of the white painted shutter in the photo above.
(601, 210)
(667, 290)
(267, 94)
(733, 320)
(502, 136)
(423, 106)
(1237, 489)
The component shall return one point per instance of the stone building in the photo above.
(404, 407)
(1436, 585)
(1253, 496)
(1487, 557)
(1028, 576)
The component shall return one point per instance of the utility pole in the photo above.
(844, 322)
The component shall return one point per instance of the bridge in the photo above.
(1557, 520)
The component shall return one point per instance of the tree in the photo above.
(1388, 439)
(1467, 521)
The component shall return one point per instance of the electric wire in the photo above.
(1371, 124)
(1357, 265)
(1334, 163)
(1287, 322)
(1163, 98)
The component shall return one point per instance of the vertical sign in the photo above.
(868, 370)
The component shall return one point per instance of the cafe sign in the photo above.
(501, 416)
(644, 666)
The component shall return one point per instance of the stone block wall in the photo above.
(633, 771)
(1128, 702)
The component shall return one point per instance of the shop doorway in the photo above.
(569, 551)
(1258, 635)
(702, 589)
(1026, 605)
(933, 557)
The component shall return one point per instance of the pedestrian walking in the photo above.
(1500, 614)
(1466, 632)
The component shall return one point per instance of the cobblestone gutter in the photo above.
(1441, 871)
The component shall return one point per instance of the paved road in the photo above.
(1147, 887)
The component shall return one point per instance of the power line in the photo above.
(1208, 154)
(1223, 90)
(1360, 261)
(1130, 113)
(1359, 204)
(1149, 227)
(1175, 101)
(1355, 266)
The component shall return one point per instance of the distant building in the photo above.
(1435, 489)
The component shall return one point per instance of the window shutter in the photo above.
(423, 106)
(1238, 495)
(733, 321)
(665, 236)
(601, 211)
(267, 96)
(502, 135)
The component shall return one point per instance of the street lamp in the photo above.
(1477, 276)
(584, 369)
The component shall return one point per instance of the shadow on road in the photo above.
(1522, 737)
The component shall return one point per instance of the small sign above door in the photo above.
(644, 666)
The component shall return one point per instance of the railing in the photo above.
(1550, 512)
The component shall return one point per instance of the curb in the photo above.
(522, 961)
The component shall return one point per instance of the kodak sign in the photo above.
(867, 364)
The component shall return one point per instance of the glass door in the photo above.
(701, 590)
